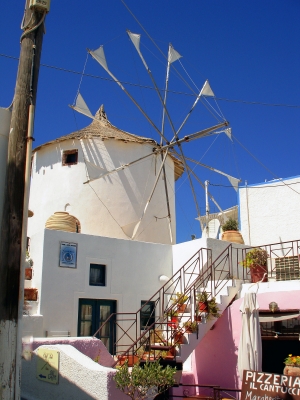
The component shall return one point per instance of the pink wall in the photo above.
(215, 358)
(91, 347)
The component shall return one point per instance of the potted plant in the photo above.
(256, 260)
(197, 316)
(207, 305)
(180, 300)
(178, 336)
(213, 309)
(30, 294)
(172, 316)
(292, 365)
(202, 299)
(190, 326)
(150, 376)
(130, 359)
(231, 231)
(28, 266)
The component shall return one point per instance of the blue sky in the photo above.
(249, 51)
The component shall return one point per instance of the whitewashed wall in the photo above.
(270, 212)
(106, 204)
(79, 378)
(133, 271)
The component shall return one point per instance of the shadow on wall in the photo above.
(216, 355)
(79, 377)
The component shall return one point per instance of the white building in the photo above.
(110, 206)
(111, 273)
(270, 211)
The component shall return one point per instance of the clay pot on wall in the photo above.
(231, 231)
(63, 221)
(233, 237)
(291, 370)
(28, 274)
(257, 272)
(30, 294)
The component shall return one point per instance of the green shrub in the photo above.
(139, 381)
(230, 225)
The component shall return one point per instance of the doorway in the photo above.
(275, 351)
(91, 315)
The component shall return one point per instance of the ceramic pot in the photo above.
(62, 221)
(173, 323)
(28, 274)
(257, 272)
(30, 294)
(233, 237)
(203, 306)
(178, 338)
(291, 370)
(181, 308)
(132, 359)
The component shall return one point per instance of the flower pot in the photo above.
(173, 323)
(132, 359)
(257, 272)
(233, 237)
(291, 370)
(197, 318)
(28, 274)
(203, 306)
(30, 294)
(178, 338)
(181, 308)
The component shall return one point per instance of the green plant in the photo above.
(180, 298)
(213, 309)
(172, 313)
(230, 225)
(139, 381)
(254, 257)
(202, 297)
(292, 360)
(191, 326)
(28, 258)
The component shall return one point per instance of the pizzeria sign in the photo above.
(265, 386)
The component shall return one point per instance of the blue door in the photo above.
(91, 315)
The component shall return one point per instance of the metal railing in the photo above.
(161, 335)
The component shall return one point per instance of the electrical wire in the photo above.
(262, 186)
(33, 28)
(263, 165)
(151, 88)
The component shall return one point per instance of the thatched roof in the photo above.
(102, 128)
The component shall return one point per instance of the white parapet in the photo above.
(79, 377)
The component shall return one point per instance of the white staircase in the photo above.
(191, 340)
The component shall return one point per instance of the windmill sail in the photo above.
(82, 107)
(206, 90)
(173, 55)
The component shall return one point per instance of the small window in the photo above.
(147, 314)
(70, 157)
(97, 274)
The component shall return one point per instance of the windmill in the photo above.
(165, 146)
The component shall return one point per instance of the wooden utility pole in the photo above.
(12, 249)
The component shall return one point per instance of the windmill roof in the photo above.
(102, 128)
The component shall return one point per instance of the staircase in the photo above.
(163, 335)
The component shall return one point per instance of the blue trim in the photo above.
(270, 182)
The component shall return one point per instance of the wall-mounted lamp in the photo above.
(273, 306)
(163, 278)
